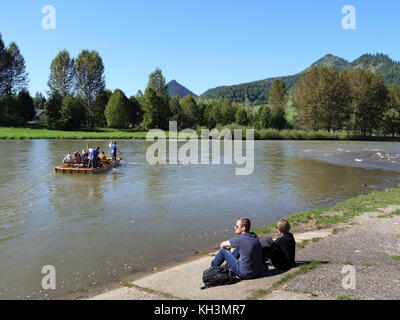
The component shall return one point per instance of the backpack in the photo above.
(217, 276)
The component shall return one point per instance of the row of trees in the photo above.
(77, 94)
(353, 100)
(357, 101)
(16, 105)
(154, 109)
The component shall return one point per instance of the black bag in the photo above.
(217, 276)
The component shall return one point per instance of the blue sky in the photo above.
(201, 44)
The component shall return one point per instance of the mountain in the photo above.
(256, 92)
(331, 61)
(174, 88)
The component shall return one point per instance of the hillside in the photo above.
(174, 88)
(256, 92)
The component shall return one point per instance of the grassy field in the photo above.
(28, 133)
(340, 213)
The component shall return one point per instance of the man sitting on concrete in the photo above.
(247, 248)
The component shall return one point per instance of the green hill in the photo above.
(256, 92)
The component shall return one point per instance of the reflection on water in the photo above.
(96, 229)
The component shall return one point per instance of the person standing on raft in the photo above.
(113, 149)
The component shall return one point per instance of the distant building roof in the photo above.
(39, 112)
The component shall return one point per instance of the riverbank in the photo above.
(361, 232)
(8, 133)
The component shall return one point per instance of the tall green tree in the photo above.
(26, 108)
(72, 113)
(277, 98)
(264, 117)
(89, 80)
(176, 111)
(277, 95)
(155, 102)
(191, 112)
(322, 99)
(135, 111)
(3, 66)
(213, 114)
(368, 95)
(99, 119)
(53, 110)
(16, 77)
(62, 74)
(39, 101)
(241, 117)
(117, 110)
(228, 109)
(391, 117)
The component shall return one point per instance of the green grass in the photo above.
(105, 133)
(346, 298)
(397, 258)
(390, 215)
(370, 265)
(28, 133)
(341, 212)
(302, 270)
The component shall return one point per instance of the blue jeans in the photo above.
(232, 259)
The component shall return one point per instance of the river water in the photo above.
(97, 229)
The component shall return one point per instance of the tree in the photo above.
(26, 109)
(322, 97)
(368, 95)
(176, 111)
(157, 82)
(241, 117)
(72, 113)
(99, 106)
(3, 67)
(135, 111)
(90, 80)
(155, 102)
(53, 110)
(277, 98)
(16, 77)
(39, 101)
(228, 109)
(62, 74)
(8, 107)
(264, 117)
(191, 112)
(117, 110)
(277, 95)
(213, 115)
(391, 117)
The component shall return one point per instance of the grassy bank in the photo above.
(263, 134)
(29, 133)
(340, 213)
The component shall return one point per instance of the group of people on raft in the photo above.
(91, 157)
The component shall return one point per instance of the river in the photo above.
(97, 229)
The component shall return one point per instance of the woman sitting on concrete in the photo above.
(281, 252)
